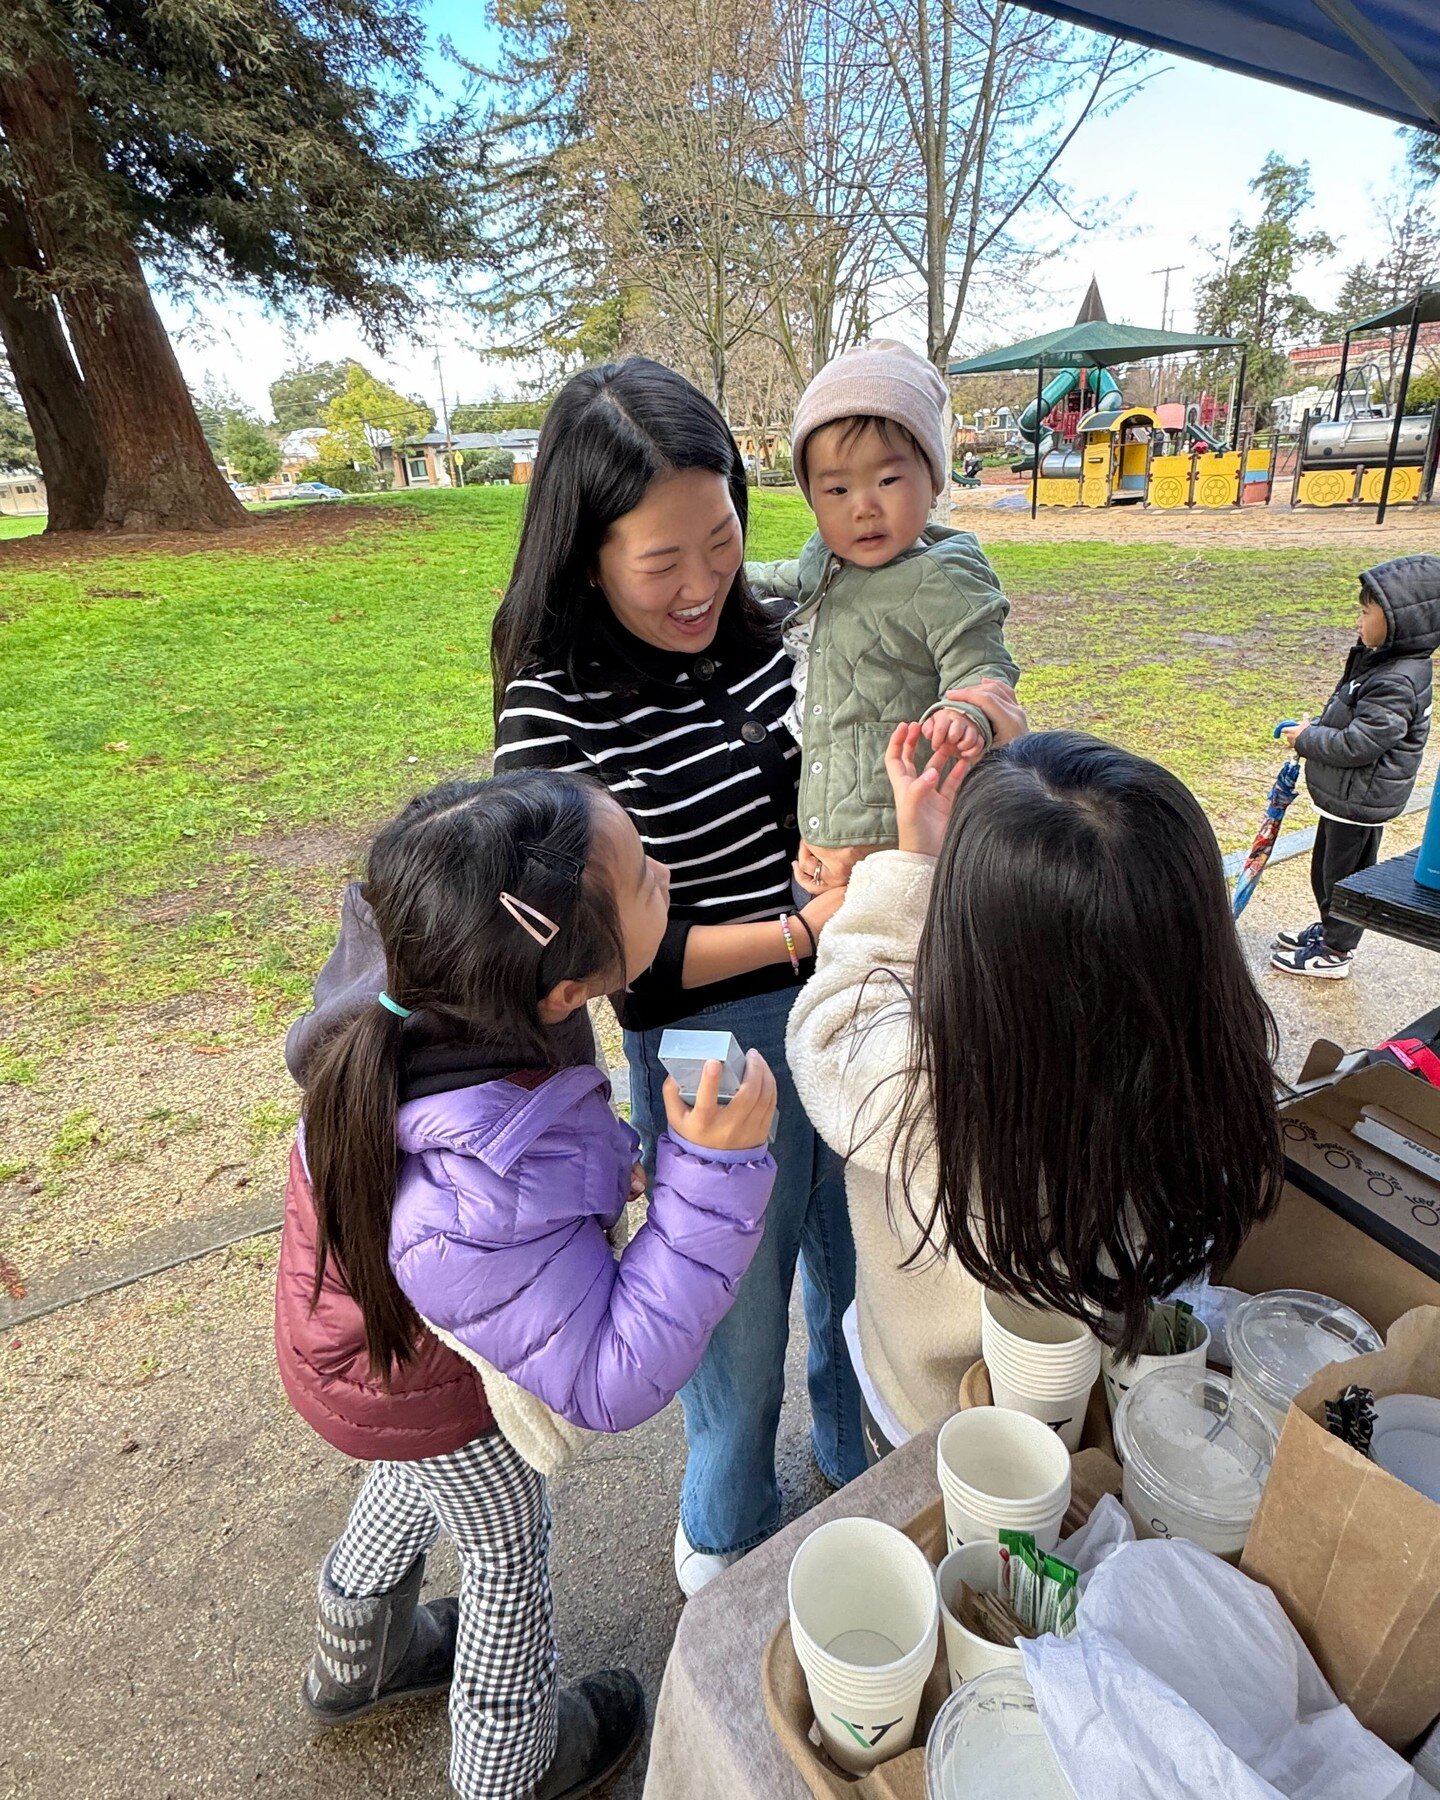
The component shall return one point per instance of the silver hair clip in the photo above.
(531, 919)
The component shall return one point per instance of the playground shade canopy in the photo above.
(1097, 344)
(1423, 308)
(1380, 55)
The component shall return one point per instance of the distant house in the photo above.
(420, 462)
(298, 449)
(22, 493)
(1322, 361)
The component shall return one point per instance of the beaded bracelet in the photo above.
(793, 953)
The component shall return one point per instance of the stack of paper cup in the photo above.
(967, 1654)
(1039, 1363)
(1001, 1470)
(864, 1620)
(1121, 1373)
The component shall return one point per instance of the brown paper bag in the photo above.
(787, 1699)
(1353, 1554)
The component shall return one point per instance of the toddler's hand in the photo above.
(741, 1124)
(637, 1182)
(923, 801)
(954, 734)
(1291, 732)
(996, 699)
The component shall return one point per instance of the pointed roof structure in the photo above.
(1092, 307)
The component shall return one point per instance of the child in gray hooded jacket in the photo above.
(1363, 753)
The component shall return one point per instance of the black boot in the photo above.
(602, 1720)
(378, 1649)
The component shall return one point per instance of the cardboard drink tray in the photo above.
(782, 1680)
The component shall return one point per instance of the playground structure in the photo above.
(1092, 449)
(1089, 448)
(1360, 455)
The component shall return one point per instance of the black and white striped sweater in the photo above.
(695, 749)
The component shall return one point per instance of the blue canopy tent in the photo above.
(1380, 55)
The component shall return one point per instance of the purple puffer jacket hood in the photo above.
(498, 1238)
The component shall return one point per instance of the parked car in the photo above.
(313, 490)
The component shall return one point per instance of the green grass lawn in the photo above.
(177, 722)
(15, 528)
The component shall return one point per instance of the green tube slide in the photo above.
(1103, 388)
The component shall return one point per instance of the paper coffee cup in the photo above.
(1000, 1469)
(1063, 1413)
(1121, 1374)
(967, 1654)
(864, 1620)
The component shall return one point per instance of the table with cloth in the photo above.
(712, 1740)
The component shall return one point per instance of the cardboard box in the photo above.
(1352, 1222)
(1352, 1553)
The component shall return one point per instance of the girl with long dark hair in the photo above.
(629, 647)
(445, 1264)
(1032, 1031)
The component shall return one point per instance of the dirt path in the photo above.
(1002, 513)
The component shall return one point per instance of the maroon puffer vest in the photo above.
(436, 1401)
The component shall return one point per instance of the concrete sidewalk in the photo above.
(162, 1512)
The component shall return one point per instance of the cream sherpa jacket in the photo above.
(849, 1044)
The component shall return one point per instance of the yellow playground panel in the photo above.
(1342, 486)
(1115, 463)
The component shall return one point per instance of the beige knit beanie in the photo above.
(883, 379)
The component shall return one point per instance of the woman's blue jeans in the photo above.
(730, 1499)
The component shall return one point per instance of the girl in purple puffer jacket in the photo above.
(456, 1177)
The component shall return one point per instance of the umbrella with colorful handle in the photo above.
(1281, 794)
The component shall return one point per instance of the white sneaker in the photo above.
(695, 1569)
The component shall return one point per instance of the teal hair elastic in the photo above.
(393, 1006)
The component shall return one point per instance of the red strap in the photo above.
(1417, 1056)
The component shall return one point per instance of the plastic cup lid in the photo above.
(987, 1743)
(1196, 1443)
(1281, 1340)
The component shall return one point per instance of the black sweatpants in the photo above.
(1340, 850)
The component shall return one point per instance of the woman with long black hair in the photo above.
(628, 647)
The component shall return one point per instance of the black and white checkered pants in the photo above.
(495, 1509)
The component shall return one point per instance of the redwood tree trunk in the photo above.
(51, 390)
(159, 472)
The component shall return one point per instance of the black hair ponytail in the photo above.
(350, 1109)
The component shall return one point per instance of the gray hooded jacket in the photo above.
(1363, 753)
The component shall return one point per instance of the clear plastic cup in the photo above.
(998, 1470)
(967, 1654)
(1281, 1340)
(1196, 1455)
(1121, 1374)
(987, 1743)
(864, 1622)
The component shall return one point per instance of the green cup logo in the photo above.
(866, 1736)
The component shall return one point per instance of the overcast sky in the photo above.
(1169, 168)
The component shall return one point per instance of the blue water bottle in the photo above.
(1427, 863)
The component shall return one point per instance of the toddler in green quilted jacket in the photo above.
(892, 615)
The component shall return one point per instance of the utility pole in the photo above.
(1169, 270)
(445, 419)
